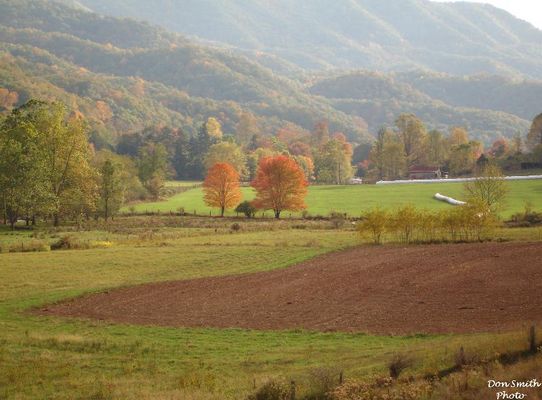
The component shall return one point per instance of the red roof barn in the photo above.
(423, 172)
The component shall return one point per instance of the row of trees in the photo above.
(324, 157)
(48, 169)
(280, 185)
(409, 144)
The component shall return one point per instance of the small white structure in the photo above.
(356, 181)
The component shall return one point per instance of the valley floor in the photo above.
(67, 358)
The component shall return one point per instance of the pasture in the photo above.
(58, 358)
(353, 199)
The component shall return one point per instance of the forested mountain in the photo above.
(490, 106)
(458, 38)
(125, 75)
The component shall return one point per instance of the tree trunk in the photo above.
(56, 220)
(277, 214)
(12, 221)
(222, 211)
(106, 211)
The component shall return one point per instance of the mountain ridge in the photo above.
(143, 75)
(395, 35)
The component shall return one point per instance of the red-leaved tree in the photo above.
(221, 187)
(280, 185)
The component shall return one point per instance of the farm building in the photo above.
(423, 172)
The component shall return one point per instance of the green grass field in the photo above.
(353, 200)
(176, 184)
(69, 359)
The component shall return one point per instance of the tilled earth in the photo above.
(382, 290)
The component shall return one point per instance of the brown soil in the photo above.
(386, 290)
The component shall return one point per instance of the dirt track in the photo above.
(388, 290)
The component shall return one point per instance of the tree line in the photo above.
(49, 170)
(409, 143)
(324, 157)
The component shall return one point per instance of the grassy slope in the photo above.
(65, 359)
(355, 199)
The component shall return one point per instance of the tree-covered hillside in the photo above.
(125, 75)
(488, 106)
(142, 75)
(459, 38)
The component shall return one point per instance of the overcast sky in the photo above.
(529, 10)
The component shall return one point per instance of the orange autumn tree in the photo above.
(221, 187)
(280, 185)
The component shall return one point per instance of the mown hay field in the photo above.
(355, 199)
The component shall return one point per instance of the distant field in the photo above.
(355, 199)
(182, 183)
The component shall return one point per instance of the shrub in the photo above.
(70, 242)
(66, 243)
(247, 209)
(429, 226)
(398, 364)
(374, 223)
(489, 188)
(322, 382)
(404, 222)
(337, 219)
(26, 247)
(463, 358)
(273, 391)
(382, 390)
(235, 227)
(477, 221)
(528, 217)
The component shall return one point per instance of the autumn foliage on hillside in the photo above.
(280, 185)
(221, 187)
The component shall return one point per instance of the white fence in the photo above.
(428, 181)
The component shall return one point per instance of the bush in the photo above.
(528, 217)
(26, 247)
(247, 209)
(273, 391)
(429, 226)
(398, 364)
(383, 390)
(463, 359)
(374, 223)
(337, 219)
(70, 242)
(471, 222)
(477, 221)
(404, 222)
(235, 227)
(322, 382)
(66, 243)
